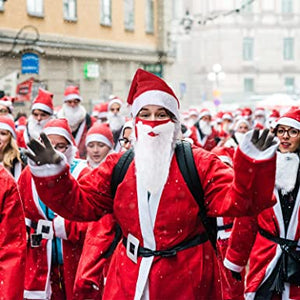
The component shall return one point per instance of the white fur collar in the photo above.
(287, 165)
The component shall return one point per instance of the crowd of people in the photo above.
(157, 204)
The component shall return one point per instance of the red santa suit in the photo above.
(173, 225)
(40, 261)
(265, 255)
(12, 239)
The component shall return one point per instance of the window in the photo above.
(248, 85)
(129, 14)
(246, 6)
(149, 16)
(105, 89)
(70, 10)
(288, 49)
(35, 7)
(287, 6)
(105, 13)
(248, 48)
(1, 5)
(289, 84)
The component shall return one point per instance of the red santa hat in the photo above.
(290, 118)
(21, 123)
(72, 92)
(6, 123)
(240, 121)
(102, 110)
(274, 114)
(227, 116)
(247, 112)
(60, 127)
(219, 116)
(204, 112)
(193, 112)
(148, 89)
(7, 102)
(43, 101)
(100, 133)
(114, 99)
(259, 111)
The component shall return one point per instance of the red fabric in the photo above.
(12, 239)
(177, 219)
(37, 269)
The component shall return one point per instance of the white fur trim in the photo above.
(28, 222)
(231, 266)
(6, 103)
(48, 169)
(98, 138)
(102, 114)
(204, 113)
(227, 117)
(5, 126)
(155, 97)
(59, 227)
(289, 122)
(71, 97)
(247, 147)
(43, 107)
(58, 131)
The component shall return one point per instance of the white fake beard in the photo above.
(205, 127)
(239, 136)
(287, 165)
(115, 121)
(35, 127)
(74, 115)
(153, 155)
(70, 154)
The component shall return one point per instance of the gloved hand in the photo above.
(236, 275)
(264, 141)
(43, 154)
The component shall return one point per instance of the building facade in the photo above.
(256, 43)
(95, 44)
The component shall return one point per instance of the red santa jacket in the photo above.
(12, 239)
(37, 278)
(166, 220)
(207, 142)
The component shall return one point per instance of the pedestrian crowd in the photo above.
(157, 204)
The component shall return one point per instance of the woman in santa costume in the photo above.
(272, 239)
(55, 244)
(12, 239)
(165, 252)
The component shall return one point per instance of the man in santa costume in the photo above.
(203, 133)
(12, 239)
(79, 120)
(41, 114)
(6, 106)
(165, 253)
(272, 239)
(55, 244)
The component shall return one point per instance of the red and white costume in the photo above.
(165, 218)
(12, 239)
(39, 265)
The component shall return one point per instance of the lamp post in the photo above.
(216, 76)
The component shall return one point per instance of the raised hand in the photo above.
(264, 141)
(43, 154)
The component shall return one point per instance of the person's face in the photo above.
(3, 110)
(153, 112)
(40, 115)
(126, 140)
(72, 102)
(206, 119)
(289, 138)
(115, 108)
(97, 151)
(242, 128)
(58, 142)
(5, 137)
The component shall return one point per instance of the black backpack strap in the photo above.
(120, 170)
(186, 163)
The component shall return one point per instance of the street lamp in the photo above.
(216, 76)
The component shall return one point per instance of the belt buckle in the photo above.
(35, 240)
(132, 247)
(44, 227)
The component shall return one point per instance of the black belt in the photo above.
(224, 227)
(145, 252)
(278, 240)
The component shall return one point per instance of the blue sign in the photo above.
(30, 63)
